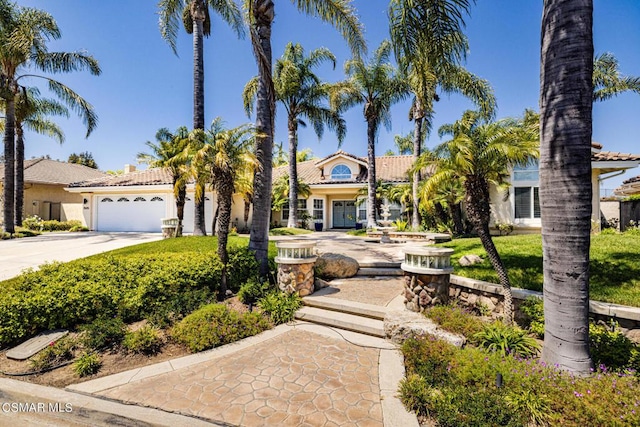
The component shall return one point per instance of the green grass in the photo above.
(284, 231)
(615, 270)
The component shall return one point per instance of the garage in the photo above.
(131, 212)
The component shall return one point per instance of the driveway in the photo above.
(30, 252)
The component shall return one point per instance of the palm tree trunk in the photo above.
(293, 173)
(19, 190)
(565, 179)
(417, 150)
(263, 15)
(371, 180)
(180, 201)
(456, 215)
(224, 188)
(197, 10)
(9, 165)
(479, 212)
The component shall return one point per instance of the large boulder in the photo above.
(336, 266)
(400, 325)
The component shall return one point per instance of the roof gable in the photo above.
(47, 171)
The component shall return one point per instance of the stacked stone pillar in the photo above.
(427, 272)
(296, 259)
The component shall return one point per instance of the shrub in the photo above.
(611, 348)
(417, 395)
(54, 354)
(145, 340)
(279, 306)
(455, 319)
(167, 285)
(33, 223)
(103, 332)
(87, 364)
(214, 325)
(242, 266)
(253, 290)
(428, 357)
(533, 310)
(506, 340)
(401, 225)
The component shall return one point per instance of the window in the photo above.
(107, 199)
(394, 210)
(341, 172)
(123, 199)
(139, 199)
(157, 199)
(302, 208)
(527, 202)
(362, 209)
(530, 172)
(318, 209)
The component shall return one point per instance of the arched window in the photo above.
(157, 199)
(106, 199)
(139, 199)
(123, 199)
(341, 172)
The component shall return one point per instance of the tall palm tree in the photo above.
(481, 153)
(377, 85)
(429, 45)
(303, 95)
(31, 113)
(260, 14)
(168, 152)
(227, 154)
(566, 93)
(194, 15)
(281, 190)
(24, 33)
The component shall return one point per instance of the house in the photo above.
(629, 187)
(138, 200)
(521, 207)
(44, 189)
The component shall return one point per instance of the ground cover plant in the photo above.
(615, 271)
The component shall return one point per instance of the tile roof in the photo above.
(154, 176)
(388, 169)
(632, 180)
(604, 156)
(47, 171)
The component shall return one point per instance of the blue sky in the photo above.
(144, 86)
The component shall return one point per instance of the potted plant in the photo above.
(358, 226)
(318, 224)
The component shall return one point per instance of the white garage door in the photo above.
(131, 213)
(189, 213)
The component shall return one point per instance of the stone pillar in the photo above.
(427, 273)
(296, 260)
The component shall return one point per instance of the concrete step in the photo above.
(379, 264)
(371, 271)
(344, 306)
(340, 320)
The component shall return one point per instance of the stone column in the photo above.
(427, 273)
(296, 260)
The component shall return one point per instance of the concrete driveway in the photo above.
(31, 252)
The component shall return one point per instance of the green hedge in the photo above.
(132, 287)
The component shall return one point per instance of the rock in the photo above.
(400, 325)
(319, 283)
(336, 266)
(468, 260)
(487, 302)
(634, 335)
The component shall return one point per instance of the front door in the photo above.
(344, 214)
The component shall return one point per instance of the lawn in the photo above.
(615, 264)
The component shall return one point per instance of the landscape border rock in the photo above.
(400, 325)
(336, 266)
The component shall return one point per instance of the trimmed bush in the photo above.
(130, 287)
(103, 332)
(87, 364)
(253, 290)
(455, 319)
(214, 325)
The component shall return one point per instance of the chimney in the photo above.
(129, 169)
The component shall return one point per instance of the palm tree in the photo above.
(481, 153)
(607, 80)
(281, 190)
(31, 113)
(260, 14)
(226, 154)
(429, 45)
(194, 15)
(24, 33)
(378, 86)
(168, 153)
(565, 179)
(302, 94)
